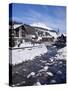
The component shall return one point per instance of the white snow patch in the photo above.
(61, 53)
(43, 61)
(49, 73)
(37, 84)
(31, 74)
(44, 69)
(22, 55)
(39, 38)
(61, 34)
(52, 59)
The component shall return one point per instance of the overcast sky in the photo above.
(52, 16)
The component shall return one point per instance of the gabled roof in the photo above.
(16, 25)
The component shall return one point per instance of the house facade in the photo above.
(25, 32)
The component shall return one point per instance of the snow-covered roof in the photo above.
(42, 25)
(61, 34)
(16, 25)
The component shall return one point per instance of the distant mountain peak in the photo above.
(42, 25)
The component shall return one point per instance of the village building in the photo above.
(20, 32)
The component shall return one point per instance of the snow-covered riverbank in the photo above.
(21, 55)
(61, 53)
(42, 70)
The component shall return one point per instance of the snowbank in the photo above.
(21, 55)
(61, 53)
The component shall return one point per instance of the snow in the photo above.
(22, 55)
(16, 26)
(31, 74)
(13, 85)
(44, 69)
(61, 53)
(51, 59)
(49, 73)
(61, 34)
(53, 34)
(42, 25)
(39, 38)
(37, 83)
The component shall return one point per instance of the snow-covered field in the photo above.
(21, 55)
(25, 54)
